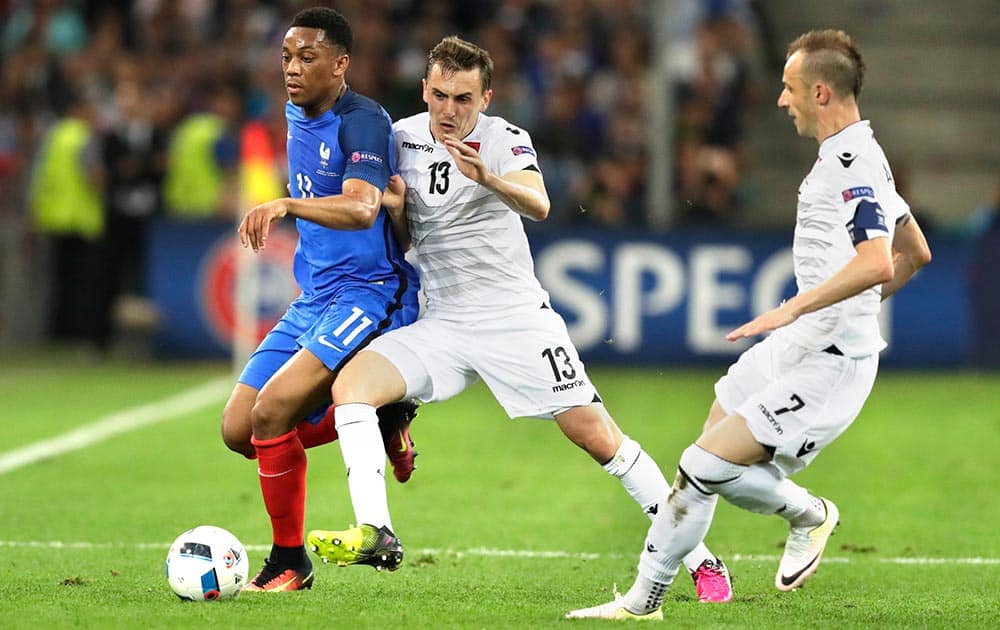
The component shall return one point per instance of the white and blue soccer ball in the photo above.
(207, 563)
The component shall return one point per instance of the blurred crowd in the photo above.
(114, 113)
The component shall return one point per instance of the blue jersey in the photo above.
(355, 283)
(351, 141)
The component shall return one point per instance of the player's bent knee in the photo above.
(715, 415)
(238, 440)
(706, 471)
(268, 420)
(748, 487)
(368, 378)
(236, 433)
(240, 445)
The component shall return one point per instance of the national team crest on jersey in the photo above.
(857, 191)
(324, 154)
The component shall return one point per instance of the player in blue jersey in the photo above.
(355, 282)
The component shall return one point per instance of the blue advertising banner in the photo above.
(192, 280)
(671, 298)
(627, 297)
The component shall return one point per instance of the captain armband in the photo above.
(868, 221)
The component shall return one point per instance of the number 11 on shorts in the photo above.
(365, 323)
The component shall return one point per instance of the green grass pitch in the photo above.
(506, 524)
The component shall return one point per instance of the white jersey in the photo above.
(849, 196)
(471, 249)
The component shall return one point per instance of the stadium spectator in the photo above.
(59, 25)
(203, 158)
(66, 204)
(134, 152)
(576, 74)
(477, 275)
(790, 395)
(712, 98)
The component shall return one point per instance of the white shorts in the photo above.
(526, 358)
(796, 401)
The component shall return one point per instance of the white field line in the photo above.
(513, 553)
(203, 395)
(120, 422)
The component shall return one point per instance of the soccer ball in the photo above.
(207, 563)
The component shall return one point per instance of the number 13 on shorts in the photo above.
(561, 363)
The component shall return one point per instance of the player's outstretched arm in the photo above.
(256, 224)
(523, 191)
(910, 252)
(871, 266)
(354, 209)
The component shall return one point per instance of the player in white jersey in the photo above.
(469, 180)
(793, 393)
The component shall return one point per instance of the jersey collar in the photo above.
(848, 136)
(295, 112)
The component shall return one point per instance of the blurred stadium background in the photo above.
(673, 178)
(672, 173)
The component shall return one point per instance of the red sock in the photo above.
(322, 432)
(282, 468)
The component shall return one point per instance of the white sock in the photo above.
(639, 474)
(773, 492)
(364, 458)
(677, 530)
(645, 596)
(645, 483)
(811, 516)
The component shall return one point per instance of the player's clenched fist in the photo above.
(256, 224)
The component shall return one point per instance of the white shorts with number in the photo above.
(526, 358)
(796, 401)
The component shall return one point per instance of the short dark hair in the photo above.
(831, 56)
(330, 21)
(454, 54)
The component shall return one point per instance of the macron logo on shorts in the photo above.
(562, 387)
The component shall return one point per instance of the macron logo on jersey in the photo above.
(426, 148)
(366, 156)
(857, 191)
(522, 150)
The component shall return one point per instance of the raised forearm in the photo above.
(871, 267)
(340, 212)
(522, 198)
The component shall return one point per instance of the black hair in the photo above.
(330, 21)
